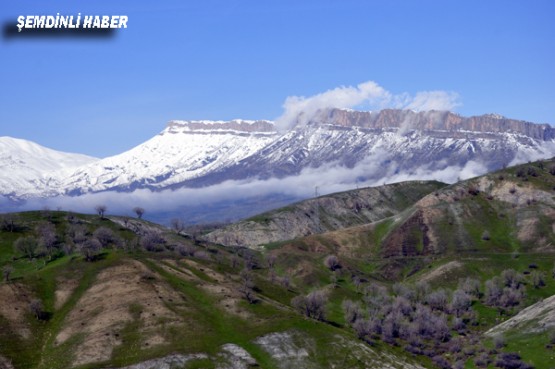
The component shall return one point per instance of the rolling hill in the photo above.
(431, 278)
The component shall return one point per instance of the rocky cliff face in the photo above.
(434, 121)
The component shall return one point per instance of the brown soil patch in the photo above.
(5, 363)
(228, 299)
(14, 306)
(209, 272)
(176, 270)
(224, 290)
(527, 229)
(64, 291)
(104, 310)
(441, 271)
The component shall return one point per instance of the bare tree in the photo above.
(460, 302)
(100, 210)
(90, 248)
(271, 261)
(352, 311)
(538, 279)
(246, 287)
(363, 329)
(511, 297)
(9, 222)
(437, 300)
(7, 271)
(470, 285)
(27, 246)
(47, 236)
(511, 278)
(77, 233)
(139, 211)
(234, 261)
(105, 236)
(37, 308)
(493, 291)
(312, 305)
(153, 241)
(285, 281)
(332, 262)
(177, 225)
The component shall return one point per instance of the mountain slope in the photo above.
(26, 166)
(392, 142)
(345, 146)
(510, 212)
(150, 298)
(324, 214)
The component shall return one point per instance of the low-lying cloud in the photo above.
(298, 110)
(329, 178)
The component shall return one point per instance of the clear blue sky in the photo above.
(240, 59)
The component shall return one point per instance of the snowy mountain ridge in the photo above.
(198, 153)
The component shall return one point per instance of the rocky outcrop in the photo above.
(533, 319)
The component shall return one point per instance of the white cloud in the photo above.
(298, 110)
(433, 100)
(329, 178)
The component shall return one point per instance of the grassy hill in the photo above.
(427, 285)
(324, 214)
(150, 293)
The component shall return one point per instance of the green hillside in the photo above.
(429, 285)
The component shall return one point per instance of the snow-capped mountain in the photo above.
(374, 145)
(392, 142)
(26, 167)
(183, 151)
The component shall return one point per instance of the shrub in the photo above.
(511, 360)
(352, 311)
(37, 308)
(499, 341)
(460, 302)
(312, 305)
(105, 236)
(470, 285)
(332, 262)
(90, 248)
(28, 246)
(538, 279)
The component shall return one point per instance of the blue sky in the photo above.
(241, 59)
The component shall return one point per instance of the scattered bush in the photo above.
(37, 308)
(90, 248)
(312, 305)
(499, 341)
(473, 190)
(6, 272)
(332, 262)
(538, 279)
(27, 246)
(510, 360)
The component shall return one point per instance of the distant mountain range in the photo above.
(365, 147)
